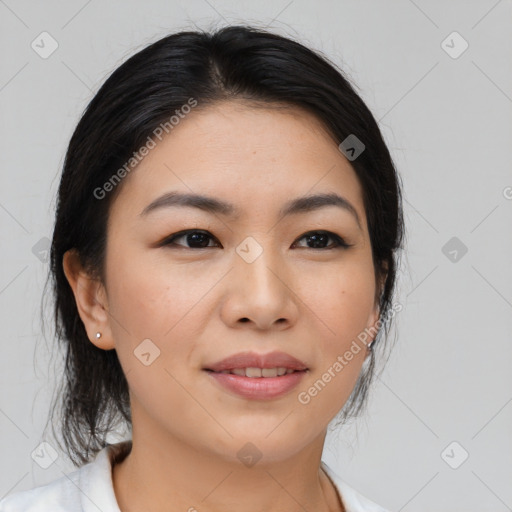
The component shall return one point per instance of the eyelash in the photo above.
(340, 243)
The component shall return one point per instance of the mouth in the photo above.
(256, 376)
(258, 373)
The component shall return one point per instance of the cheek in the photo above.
(343, 307)
(160, 302)
(343, 302)
(149, 298)
(156, 303)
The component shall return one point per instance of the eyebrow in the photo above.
(212, 205)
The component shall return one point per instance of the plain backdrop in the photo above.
(437, 75)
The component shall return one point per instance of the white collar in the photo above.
(90, 488)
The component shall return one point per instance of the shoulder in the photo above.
(59, 496)
(87, 489)
(352, 500)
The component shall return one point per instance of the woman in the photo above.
(223, 261)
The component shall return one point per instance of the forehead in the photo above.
(246, 155)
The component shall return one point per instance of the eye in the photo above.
(319, 238)
(197, 239)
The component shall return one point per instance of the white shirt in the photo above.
(90, 489)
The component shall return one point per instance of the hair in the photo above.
(234, 62)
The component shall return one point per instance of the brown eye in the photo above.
(199, 239)
(319, 239)
(196, 239)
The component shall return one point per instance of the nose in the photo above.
(260, 295)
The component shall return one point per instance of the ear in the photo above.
(91, 300)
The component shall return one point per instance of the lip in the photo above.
(255, 360)
(258, 388)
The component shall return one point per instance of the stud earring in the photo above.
(98, 335)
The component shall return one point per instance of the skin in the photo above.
(306, 301)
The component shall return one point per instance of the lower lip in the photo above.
(258, 388)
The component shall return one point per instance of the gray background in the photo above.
(448, 123)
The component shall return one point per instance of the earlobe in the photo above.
(91, 300)
(372, 326)
(374, 318)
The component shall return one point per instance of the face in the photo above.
(202, 285)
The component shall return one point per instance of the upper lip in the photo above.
(255, 360)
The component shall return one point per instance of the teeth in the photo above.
(260, 372)
(253, 372)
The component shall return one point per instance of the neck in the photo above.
(162, 473)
